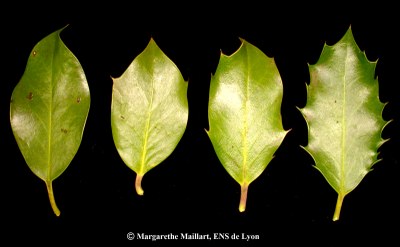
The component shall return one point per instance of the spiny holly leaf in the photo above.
(48, 110)
(244, 114)
(149, 111)
(344, 116)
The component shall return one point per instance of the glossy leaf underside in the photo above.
(149, 111)
(48, 110)
(244, 114)
(344, 116)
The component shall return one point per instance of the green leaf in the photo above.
(49, 108)
(244, 114)
(149, 111)
(344, 116)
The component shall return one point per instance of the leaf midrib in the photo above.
(147, 129)
(245, 120)
(344, 130)
(50, 120)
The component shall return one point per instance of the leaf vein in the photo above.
(344, 130)
(50, 120)
(147, 130)
(245, 120)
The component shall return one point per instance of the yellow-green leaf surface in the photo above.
(49, 108)
(245, 114)
(149, 111)
(344, 116)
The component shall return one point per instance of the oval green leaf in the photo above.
(344, 116)
(245, 114)
(48, 110)
(149, 111)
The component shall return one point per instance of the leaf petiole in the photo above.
(53, 204)
(138, 184)
(338, 207)
(243, 197)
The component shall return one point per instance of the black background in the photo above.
(190, 191)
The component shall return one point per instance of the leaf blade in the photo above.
(48, 110)
(149, 111)
(344, 116)
(244, 114)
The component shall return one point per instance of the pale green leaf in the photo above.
(344, 116)
(245, 114)
(48, 110)
(149, 111)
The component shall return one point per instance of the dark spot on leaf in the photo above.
(122, 117)
(34, 53)
(30, 96)
(337, 122)
(78, 100)
(64, 131)
(335, 101)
